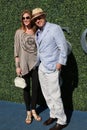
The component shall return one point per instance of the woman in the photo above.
(25, 53)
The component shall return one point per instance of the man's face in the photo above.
(40, 21)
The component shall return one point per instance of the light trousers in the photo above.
(51, 90)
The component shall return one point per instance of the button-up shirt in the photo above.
(52, 47)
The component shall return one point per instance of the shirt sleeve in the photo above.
(16, 44)
(61, 44)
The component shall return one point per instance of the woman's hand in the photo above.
(18, 71)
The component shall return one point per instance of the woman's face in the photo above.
(26, 19)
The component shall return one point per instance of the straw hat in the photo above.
(37, 12)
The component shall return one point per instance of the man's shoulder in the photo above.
(53, 25)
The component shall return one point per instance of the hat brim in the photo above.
(37, 15)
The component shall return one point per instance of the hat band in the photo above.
(40, 13)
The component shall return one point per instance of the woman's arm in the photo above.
(17, 64)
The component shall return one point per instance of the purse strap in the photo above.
(20, 75)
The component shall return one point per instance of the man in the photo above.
(52, 53)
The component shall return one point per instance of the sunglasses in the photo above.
(38, 18)
(23, 18)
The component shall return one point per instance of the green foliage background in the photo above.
(69, 13)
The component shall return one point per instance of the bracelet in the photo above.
(17, 64)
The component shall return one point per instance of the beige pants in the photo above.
(51, 91)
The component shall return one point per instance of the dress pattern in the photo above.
(28, 43)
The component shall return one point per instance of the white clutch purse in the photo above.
(19, 82)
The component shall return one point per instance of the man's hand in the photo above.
(58, 66)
